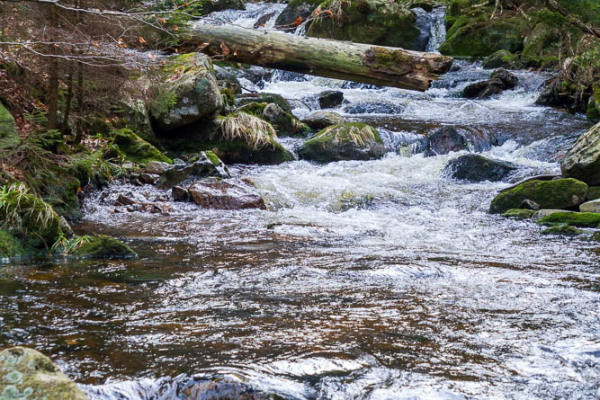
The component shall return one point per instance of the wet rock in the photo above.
(264, 98)
(103, 246)
(330, 98)
(264, 19)
(156, 167)
(186, 97)
(582, 161)
(519, 214)
(593, 192)
(179, 193)
(508, 79)
(443, 141)
(28, 374)
(540, 214)
(477, 168)
(227, 80)
(286, 20)
(148, 179)
(224, 195)
(559, 193)
(590, 206)
(348, 141)
(562, 229)
(126, 200)
(9, 138)
(322, 119)
(530, 205)
(135, 208)
(221, 5)
(135, 149)
(501, 58)
(582, 219)
(374, 108)
(483, 89)
(284, 122)
(202, 167)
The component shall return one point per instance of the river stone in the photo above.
(501, 58)
(322, 119)
(558, 193)
(180, 194)
(103, 246)
(582, 161)
(348, 141)
(285, 123)
(188, 93)
(330, 98)
(591, 206)
(204, 166)
(508, 79)
(227, 80)
(157, 167)
(443, 141)
(224, 195)
(9, 137)
(543, 213)
(27, 374)
(483, 89)
(286, 20)
(477, 168)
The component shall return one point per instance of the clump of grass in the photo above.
(361, 134)
(65, 245)
(248, 128)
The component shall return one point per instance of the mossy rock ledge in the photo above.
(582, 220)
(348, 141)
(136, 149)
(28, 374)
(582, 161)
(559, 193)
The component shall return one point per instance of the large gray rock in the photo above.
(322, 119)
(477, 168)
(26, 374)
(224, 195)
(582, 161)
(445, 140)
(330, 98)
(188, 93)
(207, 164)
(591, 206)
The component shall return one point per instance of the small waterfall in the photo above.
(437, 30)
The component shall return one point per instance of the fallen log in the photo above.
(384, 66)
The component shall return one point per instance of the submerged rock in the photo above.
(558, 193)
(187, 94)
(157, 167)
(582, 161)
(28, 374)
(443, 141)
(330, 98)
(179, 193)
(477, 168)
(103, 246)
(224, 195)
(9, 138)
(349, 141)
(322, 119)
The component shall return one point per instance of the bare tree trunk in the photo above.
(377, 65)
(68, 101)
(53, 70)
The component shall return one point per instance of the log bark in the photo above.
(384, 66)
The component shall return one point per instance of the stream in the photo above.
(370, 280)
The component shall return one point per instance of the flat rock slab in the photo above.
(224, 195)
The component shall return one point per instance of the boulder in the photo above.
(558, 193)
(374, 22)
(501, 58)
(322, 119)
(265, 98)
(285, 123)
(224, 195)
(179, 193)
(540, 214)
(203, 166)
(509, 80)
(519, 214)
(582, 219)
(136, 149)
(28, 374)
(348, 141)
(286, 20)
(188, 93)
(330, 98)
(157, 167)
(590, 206)
(9, 138)
(227, 80)
(102, 246)
(582, 161)
(443, 141)
(477, 168)
(483, 89)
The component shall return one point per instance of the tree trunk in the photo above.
(68, 101)
(53, 70)
(385, 66)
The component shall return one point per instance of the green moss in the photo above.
(593, 192)
(519, 214)
(265, 98)
(228, 97)
(558, 193)
(103, 246)
(136, 149)
(8, 130)
(238, 151)
(213, 158)
(586, 220)
(541, 46)
(255, 109)
(10, 246)
(562, 229)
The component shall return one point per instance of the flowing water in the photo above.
(362, 280)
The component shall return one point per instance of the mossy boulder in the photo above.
(205, 165)
(582, 219)
(558, 193)
(136, 149)
(477, 168)
(28, 374)
(481, 37)
(103, 246)
(593, 192)
(562, 229)
(582, 161)
(186, 93)
(377, 22)
(9, 137)
(501, 59)
(540, 46)
(285, 123)
(519, 214)
(322, 119)
(10, 246)
(348, 141)
(592, 206)
(264, 98)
